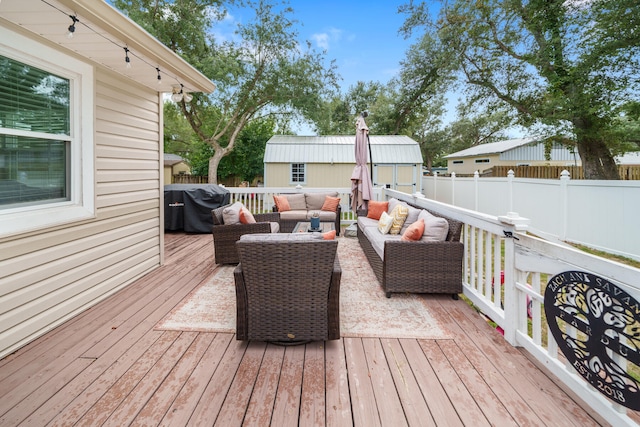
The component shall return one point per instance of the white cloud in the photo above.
(327, 39)
(322, 40)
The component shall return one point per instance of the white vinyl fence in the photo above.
(602, 215)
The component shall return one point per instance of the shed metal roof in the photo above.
(492, 148)
(392, 149)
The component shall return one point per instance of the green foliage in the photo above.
(265, 73)
(557, 66)
(247, 159)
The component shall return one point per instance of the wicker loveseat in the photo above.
(302, 206)
(414, 266)
(225, 236)
(287, 288)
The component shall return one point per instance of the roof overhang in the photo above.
(101, 35)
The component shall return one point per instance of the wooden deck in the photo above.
(108, 366)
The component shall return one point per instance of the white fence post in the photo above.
(453, 188)
(565, 176)
(435, 186)
(476, 177)
(510, 175)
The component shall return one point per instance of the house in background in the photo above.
(512, 152)
(81, 153)
(328, 162)
(174, 165)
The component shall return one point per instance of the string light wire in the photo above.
(76, 20)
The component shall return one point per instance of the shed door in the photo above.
(403, 178)
(407, 178)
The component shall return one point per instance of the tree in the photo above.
(266, 73)
(564, 65)
(247, 159)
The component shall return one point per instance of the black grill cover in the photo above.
(188, 206)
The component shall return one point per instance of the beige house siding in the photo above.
(469, 165)
(317, 175)
(49, 276)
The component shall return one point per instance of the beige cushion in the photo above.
(384, 223)
(297, 202)
(435, 228)
(325, 216)
(393, 202)
(300, 215)
(411, 218)
(399, 215)
(314, 201)
(231, 214)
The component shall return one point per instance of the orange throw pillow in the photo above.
(282, 204)
(246, 217)
(329, 235)
(414, 231)
(375, 209)
(330, 204)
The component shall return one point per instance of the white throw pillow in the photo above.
(231, 214)
(435, 227)
(384, 223)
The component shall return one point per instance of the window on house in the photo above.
(482, 160)
(298, 173)
(458, 162)
(46, 136)
(34, 136)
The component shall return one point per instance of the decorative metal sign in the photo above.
(597, 326)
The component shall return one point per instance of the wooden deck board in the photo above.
(286, 408)
(312, 399)
(108, 366)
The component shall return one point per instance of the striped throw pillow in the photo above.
(399, 214)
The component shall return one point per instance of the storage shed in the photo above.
(174, 165)
(512, 152)
(328, 161)
(81, 158)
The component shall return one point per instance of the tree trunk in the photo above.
(214, 161)
(597, 161)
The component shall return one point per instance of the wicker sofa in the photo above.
(302, 206)
(420, 266)
(225, 236)
(287, 288)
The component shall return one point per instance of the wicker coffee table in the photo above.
(303, 227)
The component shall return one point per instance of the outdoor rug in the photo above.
(364, 309)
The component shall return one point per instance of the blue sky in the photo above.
(361, 36)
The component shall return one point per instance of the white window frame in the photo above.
(81, 203)
(291, 180)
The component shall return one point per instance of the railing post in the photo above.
(513, 223)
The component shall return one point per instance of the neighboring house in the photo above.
(328, 161)
(80, 158)
(512, 152)
(174, 165)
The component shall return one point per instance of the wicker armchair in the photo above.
(226, 236)
(287, 289)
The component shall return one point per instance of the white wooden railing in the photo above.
(260, 199)
(504, 269)
(525, 263)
